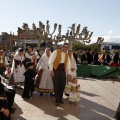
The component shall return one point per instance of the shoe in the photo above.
(27, 98)
(57, 103)
(66, 94)
(20, 88)
(52, 94)
(15, 87)
(41, 94)
(12, 111)
(61, 102)
(23, 97)
(13, 108)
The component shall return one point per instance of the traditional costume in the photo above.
(44, 82)
(74, 94)
(60, 64)
(18, 67)
(29, 58)
(73, 65)
(72, 73)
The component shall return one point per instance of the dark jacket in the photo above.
(29, 82)
(107, 59)
(116, 58)
(96, 62)
(83, 57)
(89, 58)
(2, 91)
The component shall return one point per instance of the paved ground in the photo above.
(99, 101)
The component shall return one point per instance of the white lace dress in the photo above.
(46, 80)
(74, 95)
(18, 76)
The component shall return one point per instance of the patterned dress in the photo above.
(44, 84)
(74, 94)
(19, 65)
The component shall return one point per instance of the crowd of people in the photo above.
(99, 58)
(53, 73)
(46, 74)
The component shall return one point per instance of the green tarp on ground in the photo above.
(101, 70)
(84, 70)
(97, 71)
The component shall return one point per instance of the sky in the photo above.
(102, 17)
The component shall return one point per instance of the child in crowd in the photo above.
(29, 81)
(74, 94)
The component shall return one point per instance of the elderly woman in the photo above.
(44, 82)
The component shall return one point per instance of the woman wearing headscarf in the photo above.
(18, 67)
(72, 63)
(73, 68)
(44, 82)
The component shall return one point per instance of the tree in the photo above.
(93, 47)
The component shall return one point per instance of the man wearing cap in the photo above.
(59, 64)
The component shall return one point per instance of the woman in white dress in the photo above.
(44, 82)
(72, 63)
(72, 73)
(74, 93)
(18, 67)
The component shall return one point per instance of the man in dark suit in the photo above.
(96, 62)
(89, 57)
(84, 57)
(106, 58)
